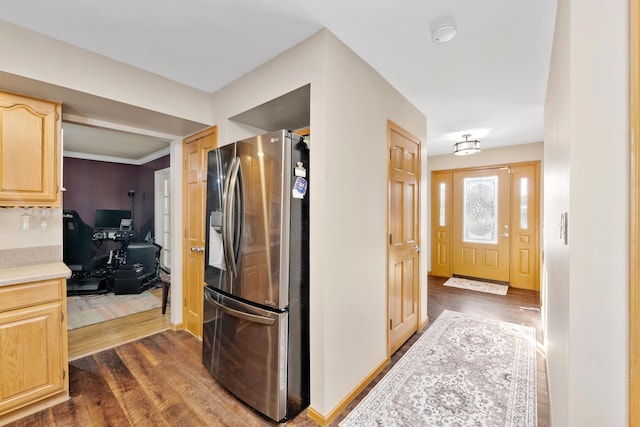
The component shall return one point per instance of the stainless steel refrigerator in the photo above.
(256, 298)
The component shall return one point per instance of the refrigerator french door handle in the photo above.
(227, 231)
(225, 216)
(229, 214)
(240, 314)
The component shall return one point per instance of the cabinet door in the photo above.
(29, 151)
(32, 354)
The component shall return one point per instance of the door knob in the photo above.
(503, 234)
(417, 249)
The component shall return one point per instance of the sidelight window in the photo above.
(524, 203)
(443, 199)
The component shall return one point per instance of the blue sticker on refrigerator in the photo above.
(299, 188)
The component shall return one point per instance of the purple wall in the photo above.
(146, 193)
(95, 185)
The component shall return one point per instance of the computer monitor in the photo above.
(110, 218)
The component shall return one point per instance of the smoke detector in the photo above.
(443, 30)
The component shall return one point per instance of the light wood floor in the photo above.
(159, 380)
(101, 336)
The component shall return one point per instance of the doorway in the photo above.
(485, 223)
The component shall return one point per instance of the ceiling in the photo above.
(489, 81)
(98, 143)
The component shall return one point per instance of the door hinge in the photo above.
(61, 317)
(185, 233)
(390, 238)
(64, 373)
(185, 301)
(185, 164)
(390, 324)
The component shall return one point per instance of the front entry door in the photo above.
(481, 218)
(403, 278)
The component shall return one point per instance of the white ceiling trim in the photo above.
(136, 162)
(154, 156)
(79, 120)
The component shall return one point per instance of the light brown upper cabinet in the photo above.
(29, 151)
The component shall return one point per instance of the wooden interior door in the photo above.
(196, 148)
(481, 218)
(403, 269)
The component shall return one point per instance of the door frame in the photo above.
(634, 212)
(392, 126)
(449, 212)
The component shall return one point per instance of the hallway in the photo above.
(518, 306)
(159, 380)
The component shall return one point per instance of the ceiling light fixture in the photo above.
(466, 147)
(443, 30)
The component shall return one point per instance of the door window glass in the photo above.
(524, 202)
(443, 198)
(480, 213)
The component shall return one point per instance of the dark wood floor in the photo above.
(160, 381)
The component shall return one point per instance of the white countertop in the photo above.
(33, 273)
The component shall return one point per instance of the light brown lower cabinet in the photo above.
(33, 346)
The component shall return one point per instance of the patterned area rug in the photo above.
(90, 309)
(462, 371)
(475, 285)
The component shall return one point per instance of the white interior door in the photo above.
(162, 213)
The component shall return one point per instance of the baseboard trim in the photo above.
(325, 420)
(316, 416)
(425, 323)
(177, 326)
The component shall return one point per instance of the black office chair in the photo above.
(79, 254)
(148, 255)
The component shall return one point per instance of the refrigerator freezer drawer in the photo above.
(245, 349)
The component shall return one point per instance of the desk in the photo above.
(115, 235)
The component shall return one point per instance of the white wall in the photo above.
(350, 105)
(586, 174)
(12, 236)
(359, 103)
(495, 156)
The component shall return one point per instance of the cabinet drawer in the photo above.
(28, 294)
